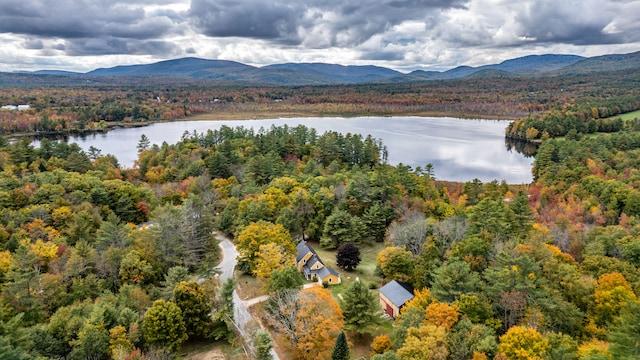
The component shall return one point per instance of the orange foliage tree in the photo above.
(319, 320)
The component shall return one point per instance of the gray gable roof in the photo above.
(303, 249)
(396, 293)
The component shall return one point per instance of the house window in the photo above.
(330, 280)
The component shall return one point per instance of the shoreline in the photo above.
(258, 115)
(261, 115)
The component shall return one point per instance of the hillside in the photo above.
(299, 74)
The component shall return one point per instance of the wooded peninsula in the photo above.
(99, 261)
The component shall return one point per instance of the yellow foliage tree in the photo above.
(44, 251)
(522, 343)
(612, 293)
(441, 314)
(119, 343)
(421, 299)
(5, 263)
(428, 342)
(594, 349)
(257, 234)
(271, 257)
(38, 230)
(318, 322)
(381, 344)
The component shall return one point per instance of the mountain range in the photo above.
(231, 72)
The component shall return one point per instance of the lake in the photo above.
(459, 149)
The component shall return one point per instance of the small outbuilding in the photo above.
(393, 296)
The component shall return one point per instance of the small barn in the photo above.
(393, 296)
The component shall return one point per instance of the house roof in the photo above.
(303, 249)
(398, 293)
(324, 271)
(313, 260)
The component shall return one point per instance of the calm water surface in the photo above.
(459, 149)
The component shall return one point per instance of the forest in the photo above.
(98, 261)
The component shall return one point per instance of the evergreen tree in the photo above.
(360, 308)
(263, 345)
(341, 348)
(625, 334)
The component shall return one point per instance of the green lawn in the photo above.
(365, 270)
(627, 116)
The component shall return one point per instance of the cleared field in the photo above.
(627, 116)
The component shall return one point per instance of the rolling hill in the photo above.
(295, 74)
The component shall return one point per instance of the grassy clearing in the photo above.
(250, 287)
(366, 273)
(627, 116)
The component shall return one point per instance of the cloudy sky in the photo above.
(81, 35)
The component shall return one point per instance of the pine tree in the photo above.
(263, 345)
(625, 334)
(341, 348)
(360, 308)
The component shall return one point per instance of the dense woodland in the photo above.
(100, 262)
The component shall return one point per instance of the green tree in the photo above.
(360, 308)
(195, 305)
(453, 279)
(376, 218)
(625, 333)
(286, 278)
(22, 283)
(341, 348)
(92, 343)
(163, 325)
(143, 143)
(112, 233)
(224, 326)
(263, 345)
(341, 227)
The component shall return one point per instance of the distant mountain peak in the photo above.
(318, 73)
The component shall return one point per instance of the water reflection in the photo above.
(523, 147)
(459, 149)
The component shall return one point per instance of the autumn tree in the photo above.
(261, 233)
(319, 321)
(348, 256)
(163, 325)
(611, 294)
(522, 343)
(195, 306)
(381, 344)
(396, 263)
(427, 342)
(441, 314)
(271, 257)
